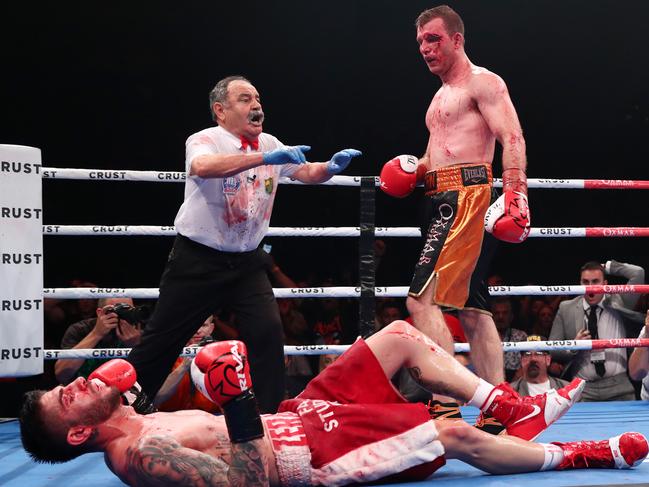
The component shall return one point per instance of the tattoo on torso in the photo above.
(248, 466)
(162, 461)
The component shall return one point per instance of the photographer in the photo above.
(117, 325)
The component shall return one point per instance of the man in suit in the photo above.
(605, 316)
(534, 376)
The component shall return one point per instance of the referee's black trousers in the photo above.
(197, 281)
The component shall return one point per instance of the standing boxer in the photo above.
(470, 111)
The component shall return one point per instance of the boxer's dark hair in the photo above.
(39, 436)
(220, 92)
(592, 266)
(452, 21)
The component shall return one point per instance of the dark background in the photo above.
(121, 86)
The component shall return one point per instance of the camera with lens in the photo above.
(132, 314)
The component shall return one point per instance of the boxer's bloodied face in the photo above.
(438, 49)
(241, 114)
(81, 402)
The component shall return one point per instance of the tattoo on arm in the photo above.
(249, 465)
(162, 461)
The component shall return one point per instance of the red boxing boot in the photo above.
(624, 451)
(528, 417)
(488, 423)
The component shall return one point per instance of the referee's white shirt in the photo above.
(230, 214)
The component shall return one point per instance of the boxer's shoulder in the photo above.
(483, 82)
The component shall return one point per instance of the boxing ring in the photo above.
(604, 419)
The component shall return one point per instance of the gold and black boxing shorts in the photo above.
(459, 196)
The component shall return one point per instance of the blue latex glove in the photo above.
(340, 160)
(286, 155)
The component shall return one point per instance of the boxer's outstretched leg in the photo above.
(401, 345)
(493, 454)
(507, 454)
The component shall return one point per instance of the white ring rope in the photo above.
(165, 231)
(178, 177)
(342, 292)
(354, 292)
(547, 346)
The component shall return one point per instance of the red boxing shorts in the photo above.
(460, 196)
(360, 429)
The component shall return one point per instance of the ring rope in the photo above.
(546, 346)
(354, 292)
(160, 231)
(178, 177)
(162, 176)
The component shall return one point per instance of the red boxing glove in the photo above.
(508, 219)
(399, 176)
(121, 374)
(221, 372)
(117, 372)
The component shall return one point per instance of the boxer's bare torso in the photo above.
(459, 132)
(471, 111)
(172, 448)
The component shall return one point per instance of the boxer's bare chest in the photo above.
(458, 131)
(452, 106)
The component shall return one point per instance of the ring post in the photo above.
(367, 269)
(21, 261)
